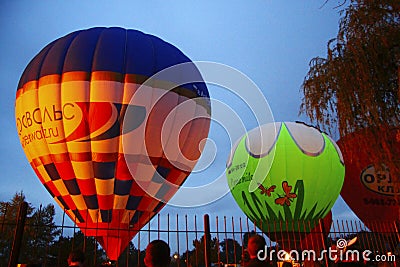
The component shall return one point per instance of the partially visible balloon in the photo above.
(80, 96)
(374, 196)
(283, 173)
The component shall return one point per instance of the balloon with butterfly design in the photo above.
(286, 177)
(109, 144)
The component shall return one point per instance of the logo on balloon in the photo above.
(79, 118)
(379, 181)
(108, 120)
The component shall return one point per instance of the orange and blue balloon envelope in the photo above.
(111, 148)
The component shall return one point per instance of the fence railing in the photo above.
(199, 240)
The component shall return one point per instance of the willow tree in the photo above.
(356, 87)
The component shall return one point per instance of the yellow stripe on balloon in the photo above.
(43, 173)
(104, 187)
(120, 202)
(79, 202)
(83, 170)
(59, 184)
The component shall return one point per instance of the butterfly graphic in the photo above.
(266, 191)
(288, 196)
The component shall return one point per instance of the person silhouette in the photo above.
(255, 244)
(158, 254)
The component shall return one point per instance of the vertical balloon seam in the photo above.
(70, 209)
(87, 100)
(39, 104)
(118, 144)
(132, 214)
(60, 98)
(144, 150)
(89, 76)
(110, 212)
(116, 211)
(66, 207)
(155, 70)
(101, 207)
(27, 150)
(122, 111)
(59, 198)
(88, 97)
(153, 104)
(43, 158)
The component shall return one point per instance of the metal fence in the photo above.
(198, 240)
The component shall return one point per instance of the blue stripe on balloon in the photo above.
(110, 51)
(54, 61)
(107, 49)
(80, 53)
(104, 170)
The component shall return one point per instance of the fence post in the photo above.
(324, 237)
(207, 240)
(19, 230)
(397, 230)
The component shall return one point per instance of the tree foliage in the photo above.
(8, 218)
(231, 251)
(197, 256)
(356, 86)
(40, 231)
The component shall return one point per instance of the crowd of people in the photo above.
(158, 254)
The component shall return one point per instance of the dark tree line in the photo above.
(45, 243)
(40, 230)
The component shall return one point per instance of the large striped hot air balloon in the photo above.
(111, 148)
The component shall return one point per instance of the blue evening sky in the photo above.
(270, 41)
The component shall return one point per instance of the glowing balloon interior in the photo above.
(71, 108)
(281, 173)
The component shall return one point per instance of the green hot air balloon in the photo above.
(282, 173)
